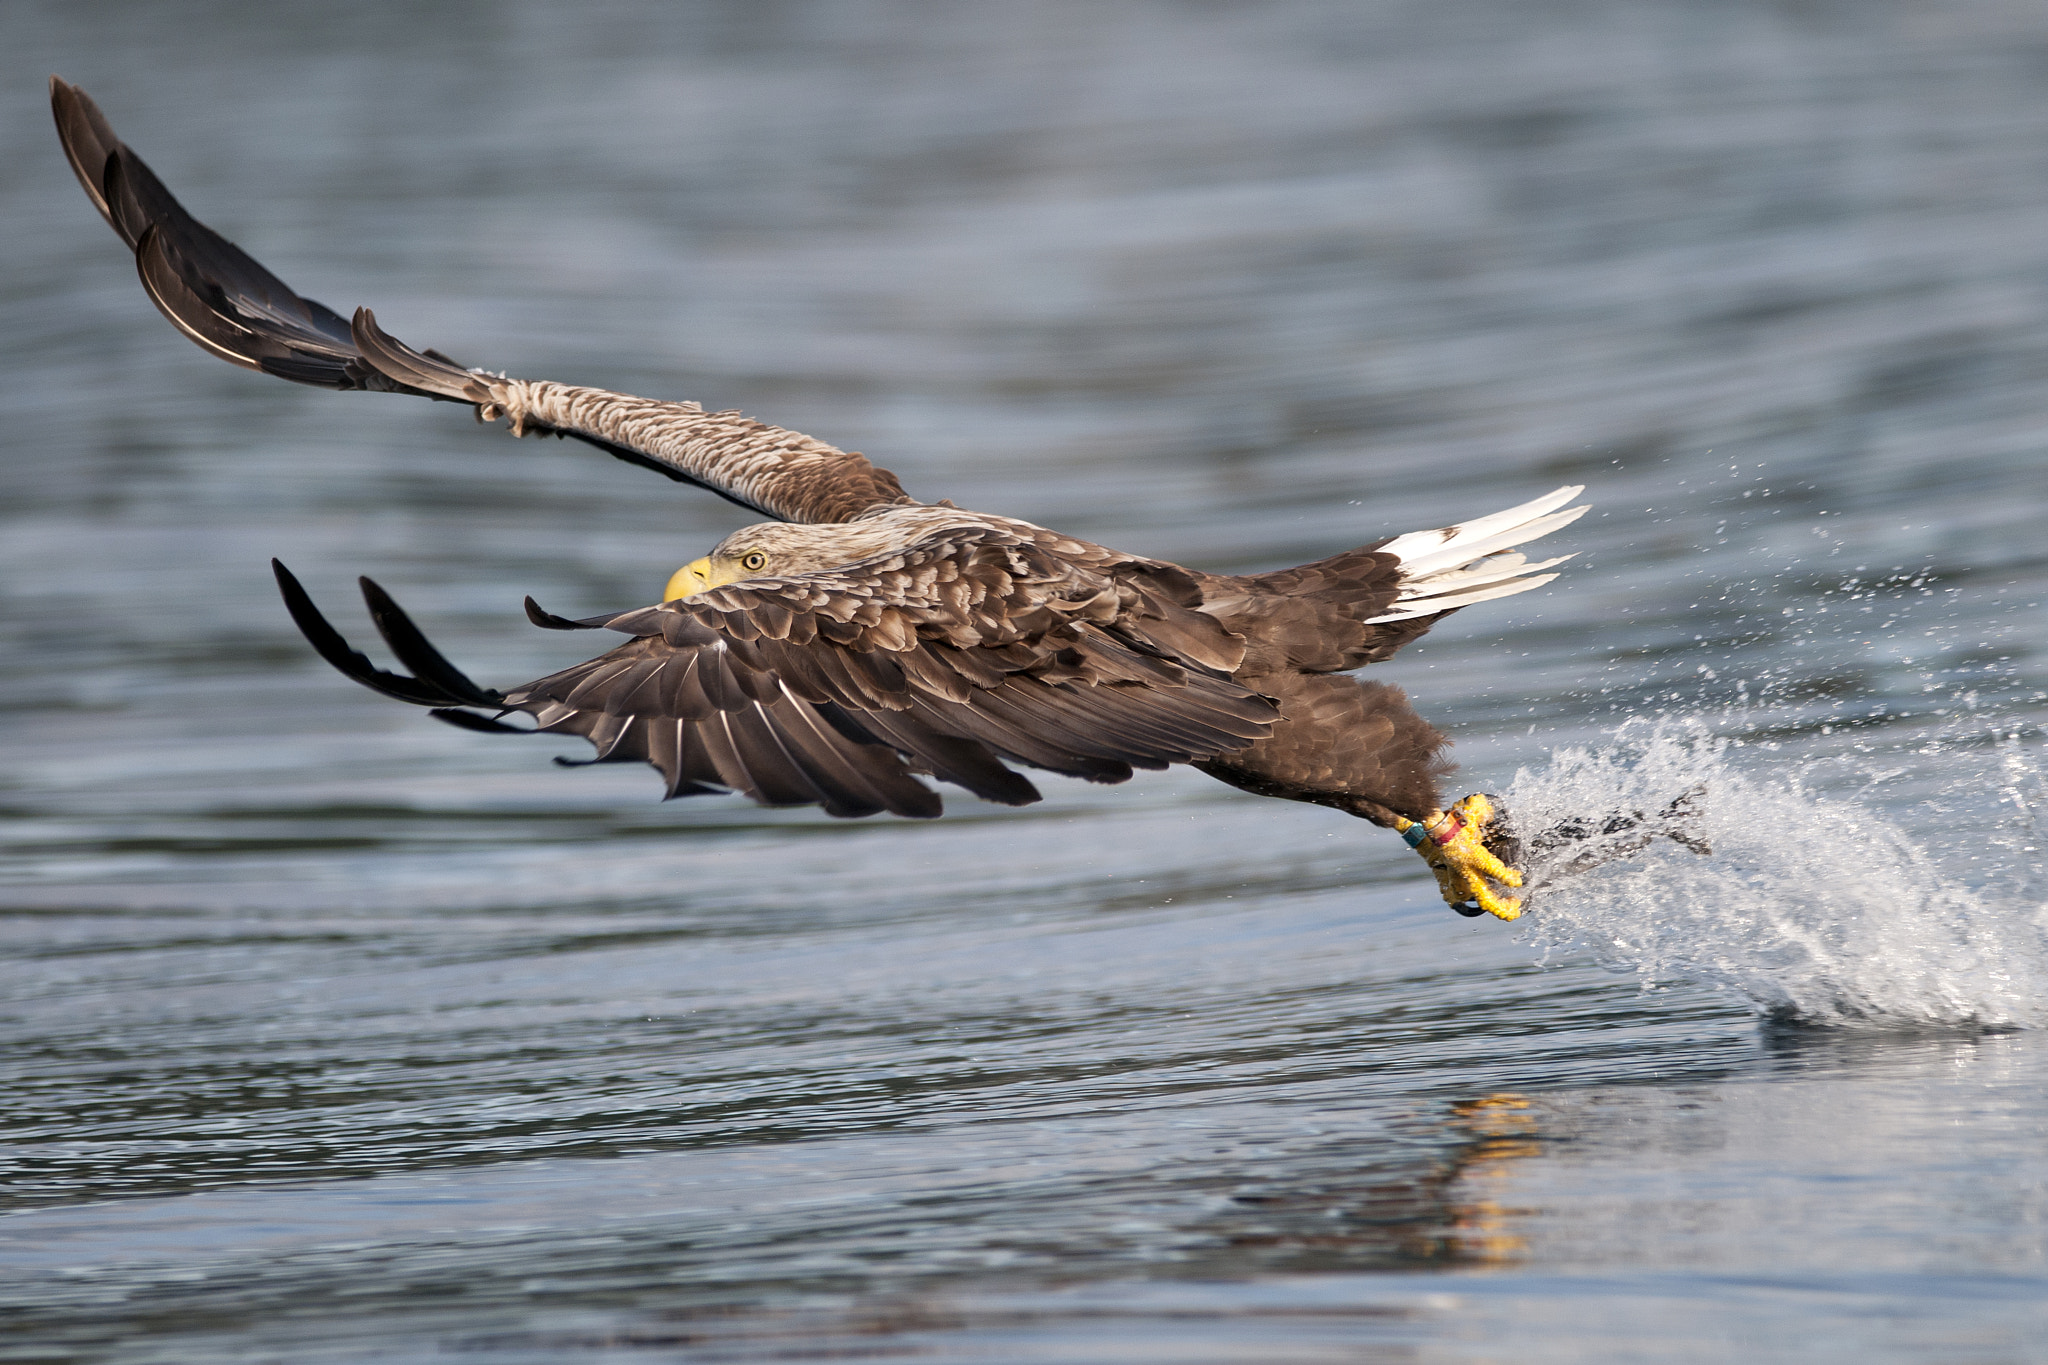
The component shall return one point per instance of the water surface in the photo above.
(334, 1034)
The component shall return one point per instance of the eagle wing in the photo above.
(837, 688)
(226, 302)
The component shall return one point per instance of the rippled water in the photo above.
(333, 1034)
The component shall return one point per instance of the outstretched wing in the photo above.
(226, 302)
(836, 689)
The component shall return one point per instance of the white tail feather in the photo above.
(1456, 566)
(1418, 543)
(1430, 606)
(1492, 569)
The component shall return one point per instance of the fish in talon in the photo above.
(1578, 844)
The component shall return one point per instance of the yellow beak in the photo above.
(693, 577)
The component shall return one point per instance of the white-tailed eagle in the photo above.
(862, 640)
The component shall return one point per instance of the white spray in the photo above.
(1811, 907)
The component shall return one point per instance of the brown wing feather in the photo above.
(970, 633)
(1042, 707)
(836, 689)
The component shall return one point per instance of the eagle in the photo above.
(860, 642)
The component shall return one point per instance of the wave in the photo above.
(1812, 907)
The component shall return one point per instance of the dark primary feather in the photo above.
(210, 289)
(415, 653)
(88, 141)
(424, 371)
(329, 644)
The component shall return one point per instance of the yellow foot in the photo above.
(1452, 844)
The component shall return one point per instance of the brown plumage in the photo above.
(871, 640)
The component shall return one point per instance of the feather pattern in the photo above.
(943, 657)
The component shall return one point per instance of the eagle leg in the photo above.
(1455, 844)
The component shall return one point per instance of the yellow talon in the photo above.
(1451, 843)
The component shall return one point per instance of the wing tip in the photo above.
(86, 137)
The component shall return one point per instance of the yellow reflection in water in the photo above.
(1504, 1132)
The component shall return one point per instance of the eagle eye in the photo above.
(753, 561)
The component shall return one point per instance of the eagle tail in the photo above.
(1455, 566)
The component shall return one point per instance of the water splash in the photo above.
(1811, 907)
